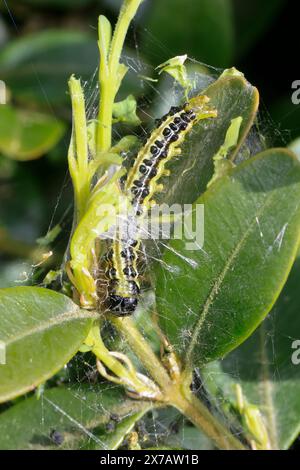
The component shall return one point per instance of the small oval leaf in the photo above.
(40, 330)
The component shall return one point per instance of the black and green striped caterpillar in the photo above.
(140, 186)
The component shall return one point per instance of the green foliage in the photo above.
(36, 68)
(263, 367)
(26, 135)
(251, 226)
(86, 422)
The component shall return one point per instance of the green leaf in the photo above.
(233, 97)
(41, 331)
(221, 163)
(57, 4)
(37, 67)
(27, 135)
(125, 111)
(295, 147)
(285, 116)
(81, 415)
(211, 299)
(203, 29)
(264, 368)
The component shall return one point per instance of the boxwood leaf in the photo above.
(37, 67)
(26, 135)
(233, 97)
(211, 299)
(40, 331)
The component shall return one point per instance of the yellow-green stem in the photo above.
(78, 151)
(104, 134)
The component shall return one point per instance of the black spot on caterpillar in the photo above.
(140, 186)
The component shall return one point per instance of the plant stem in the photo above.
(111, 76)
(100, 351)
(177, 394)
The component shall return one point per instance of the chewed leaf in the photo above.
(176, 68)
(73, 418)
(27, 135)
(211, 299)
(40, 330)
(125, 111)
(233, 72)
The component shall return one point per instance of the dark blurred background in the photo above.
(42, 42)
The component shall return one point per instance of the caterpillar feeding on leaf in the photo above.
(140, 186)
